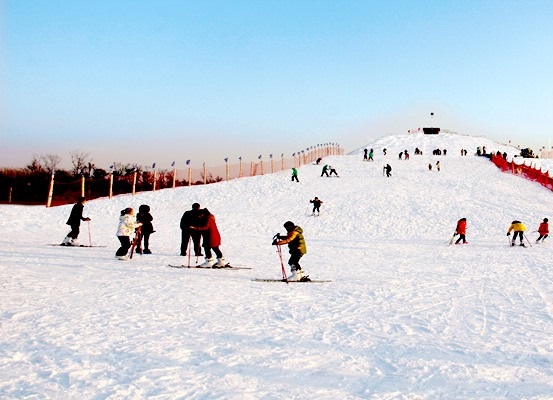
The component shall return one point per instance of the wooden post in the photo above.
(227, 169)
(189, 176)
(174, 177)
(83, 179)
(134, 182)
(110, 185)
(282, 162)
(241, 172)
(155, 181)
(50, 190)
(10, 195)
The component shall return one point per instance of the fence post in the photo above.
(50, 190)
(83, 179)
(10, 195)
(189, 176)
(110, 185)
(155, 181)
(174, 177)
(205, 175)
(241, 172)
(227, 169)
(134, 182)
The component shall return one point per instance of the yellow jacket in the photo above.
(516, 226)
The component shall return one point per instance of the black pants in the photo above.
(461, 237)
(74, 234)
(543, 237)
(216, 250)
(520, 234)
(316, 208)
(146, 237)
(294, 261)
(125, 246)
(185, 239)
(295, 178)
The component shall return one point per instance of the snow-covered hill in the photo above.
(405, 317)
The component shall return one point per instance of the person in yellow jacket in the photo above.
(519, 228)
(297, 247)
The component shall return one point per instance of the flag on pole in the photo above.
(153, 165)
(187, 162)
(173, 164)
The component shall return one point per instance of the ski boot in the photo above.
(208, 263)
(66, 241)
(221, 263)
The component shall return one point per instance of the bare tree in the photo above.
(51, 161)
(79, 160)
(36, 164)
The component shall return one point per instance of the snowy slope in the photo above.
(405, 317)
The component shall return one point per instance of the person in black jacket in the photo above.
(145, 218)
(191, 218)
(74, 221)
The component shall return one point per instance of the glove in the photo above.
(87, 219)
(274, 242)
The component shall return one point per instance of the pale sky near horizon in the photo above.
(144, 81)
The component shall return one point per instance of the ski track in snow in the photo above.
(405, 317)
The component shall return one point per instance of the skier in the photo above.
(543, 230)
(371, 154)
(365, 155)
(325, 170)
(74, 221)
(461, 230)
(295, 174)
(211, 240)
(127, 225)
(438, 165)
(190, 218)
(332, 171)
(296, 245)
(316, 205)
(519, 229)
(145, 218)
(388, 170)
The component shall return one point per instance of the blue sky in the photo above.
(157, 81)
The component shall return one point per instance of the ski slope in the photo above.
(405, 317)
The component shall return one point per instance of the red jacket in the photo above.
(210, 233)
(544, 228)
(461, 227)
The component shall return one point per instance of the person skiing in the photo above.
(325, 170)
(211, 240)
(461, 230)
(332, 171)
(145, 218)
(371, 154)
(126, 227)
(543, 230)
(191, 218)
(74, 222)
(295, 174)
(365, 154)
(388, 170)
(519, 228)
(316, 205)
(297, 248)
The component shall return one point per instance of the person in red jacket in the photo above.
(461, 230)
(211, 240)
(543, 230)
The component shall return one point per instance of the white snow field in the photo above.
(406, 316)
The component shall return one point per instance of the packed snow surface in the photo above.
(406, 316)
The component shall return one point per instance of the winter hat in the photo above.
(289, 224)
(144, 209)
(196, 206)
(545, 220)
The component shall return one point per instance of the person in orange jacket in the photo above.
(519, 229)
(543, 230)
(461, 230)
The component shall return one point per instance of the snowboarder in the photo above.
(145, 218)
(388, 170)
(127, 225)
(296, 245)
(519, 229)
(190, 218)
(543, 230)
(74, 221)
(211, 240)
(461, 230)
(325, 170)
(316, 205)
(295, 174)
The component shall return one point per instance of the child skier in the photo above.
(519, 229)
(74, 221)
(543, 230)
(296, 245)
(316, 205)
(461, 230)
(145, 218)
(127, 226)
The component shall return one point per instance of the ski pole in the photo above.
(89, 236)
(189, 252)
(282, 264)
